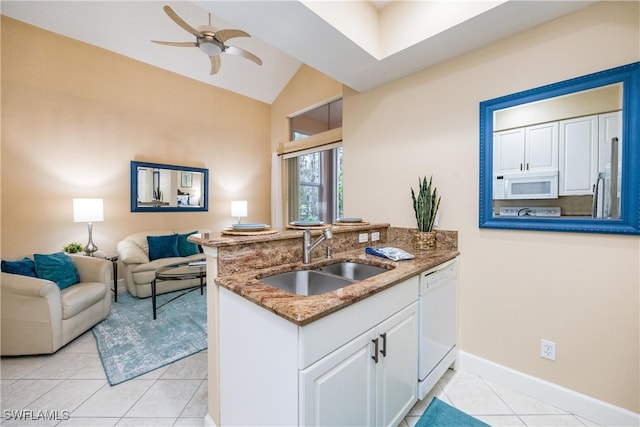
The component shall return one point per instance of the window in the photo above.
(314, 172)
(316, 120)
(315, 186)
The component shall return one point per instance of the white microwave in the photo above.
(526, 185)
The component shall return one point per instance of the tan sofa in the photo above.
(138, 271)
(39, 318)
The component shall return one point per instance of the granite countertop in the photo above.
(218, 239)
(303, 310)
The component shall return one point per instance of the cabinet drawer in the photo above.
(328, 333)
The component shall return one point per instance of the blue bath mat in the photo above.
(439, 414)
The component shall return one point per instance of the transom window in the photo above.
(314, 174)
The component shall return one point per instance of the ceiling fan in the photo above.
(210, 41)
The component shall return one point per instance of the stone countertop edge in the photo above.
(303, 310)
(218, 239)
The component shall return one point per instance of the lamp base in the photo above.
(89, 251)
(90, 248)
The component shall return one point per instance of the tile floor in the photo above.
(494, 404)
(176, 395)
(73, 379)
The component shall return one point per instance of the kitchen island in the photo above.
(277, 358)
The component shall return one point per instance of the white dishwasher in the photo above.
(438, 324)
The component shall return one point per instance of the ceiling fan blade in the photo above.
(180, 22)
(179, 44)
(243, 53)
(215, 64)
(224, 35)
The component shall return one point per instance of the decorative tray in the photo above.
(350, 221)
(249, 230)
(301, 225)
(231, 232)
(249, 227)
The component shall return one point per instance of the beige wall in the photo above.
(74, 116)
(307, 88)
(517, 287)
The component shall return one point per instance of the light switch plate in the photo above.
(375, 236)
(363, 237)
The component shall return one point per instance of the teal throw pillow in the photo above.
(24, 267)
(58, 268)
(185, 247)
(163, 246)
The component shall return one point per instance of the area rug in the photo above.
(440, 414)
(131, 343)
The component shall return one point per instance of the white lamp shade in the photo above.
(239, 208)
(87, 210)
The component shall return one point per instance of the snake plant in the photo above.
(425, 204)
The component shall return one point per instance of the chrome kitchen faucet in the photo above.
(308, 246)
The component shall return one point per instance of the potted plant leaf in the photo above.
(73, 248)
(425, 205)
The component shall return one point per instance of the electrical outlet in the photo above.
(375, 236)
(548, 349)
(363, 237)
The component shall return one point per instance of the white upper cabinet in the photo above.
(609, 127)
(528, 149)
(508, 151)
(578, 156)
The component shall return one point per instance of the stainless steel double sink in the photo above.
(323, 279)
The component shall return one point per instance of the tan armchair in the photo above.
(39, 318)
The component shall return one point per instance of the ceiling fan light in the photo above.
(210, 48)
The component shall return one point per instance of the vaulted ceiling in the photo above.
(362, 44)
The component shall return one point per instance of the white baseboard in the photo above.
(566, 399)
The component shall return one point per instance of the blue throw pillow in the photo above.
(58, 268)
(163, 246)
(185, 247)
(24, 267)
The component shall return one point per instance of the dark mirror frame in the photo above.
(629, 221)
(134, 188)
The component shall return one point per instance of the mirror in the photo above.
(564, 157)
(168, 188)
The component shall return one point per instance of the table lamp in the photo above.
(89, 211)
(239, 209)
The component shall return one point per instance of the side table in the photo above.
(114, 264)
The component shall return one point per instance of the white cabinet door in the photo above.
(508, 151)
(541, 147)
(351, 386)
(578, 156)
(528, 149)
(609, 126)
(340, 388)
(397, 370)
